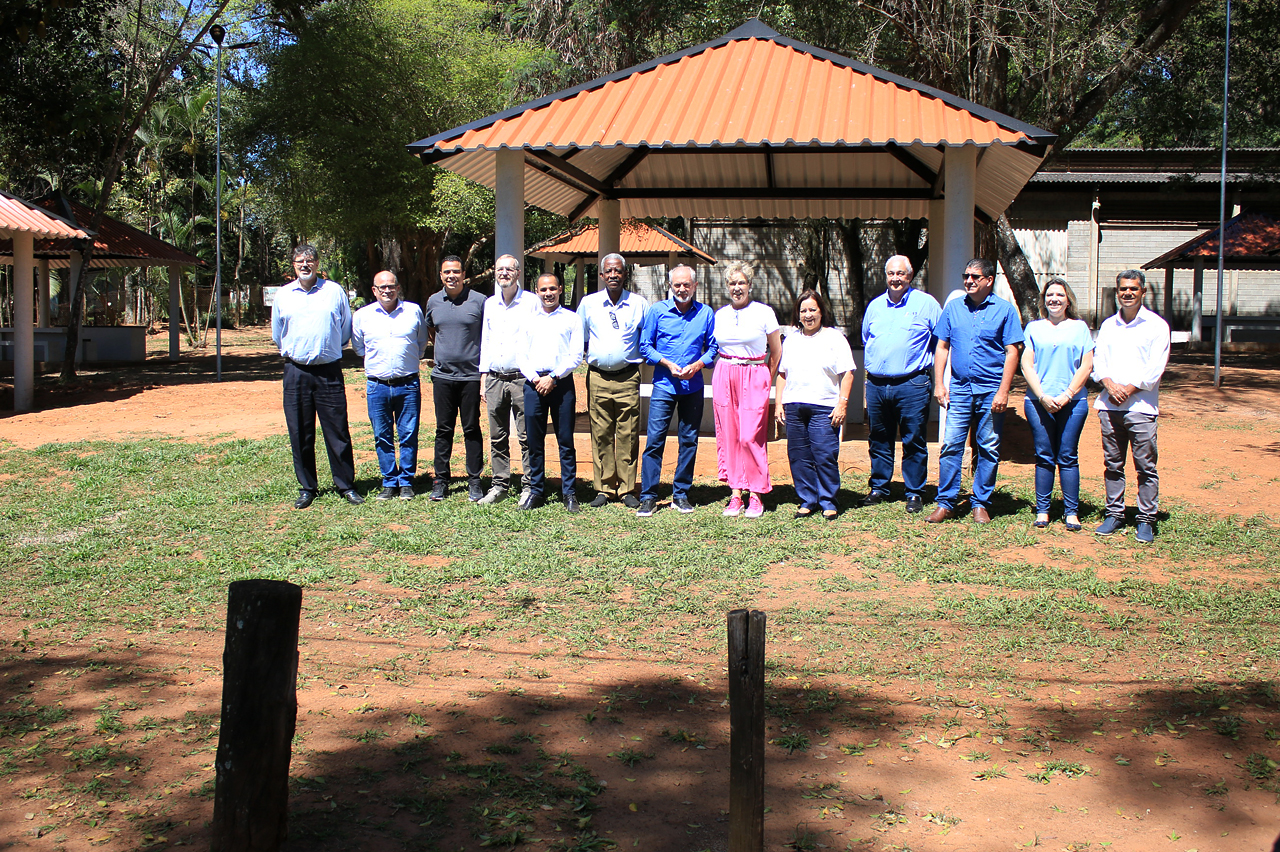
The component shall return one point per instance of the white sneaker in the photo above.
(494, 494)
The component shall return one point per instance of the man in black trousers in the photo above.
(310, 322)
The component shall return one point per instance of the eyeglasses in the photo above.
(505, 270)
(386, 288)
(613, 318)
(969, 275)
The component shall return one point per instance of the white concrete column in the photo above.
(42, 296)
(509, 203)
(957, 212)
(609, 231)
(1197, 301)
(175, 312)
(24, 335)
(936, 282)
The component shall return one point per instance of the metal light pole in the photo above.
(1222, 206)
(219, 33)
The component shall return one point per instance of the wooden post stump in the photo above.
(259, 711)
(746, 731)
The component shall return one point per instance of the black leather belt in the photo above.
(897, 380)
(626, 371)
(394, 383)
(506, 377)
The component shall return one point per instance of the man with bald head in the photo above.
(611, 320)
(897, 337)
(392, 338)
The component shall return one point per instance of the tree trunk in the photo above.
(850, 231)
(1022, 280)
(74, 316)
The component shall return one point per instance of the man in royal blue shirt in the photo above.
(981, 336)
(678, 338)
(897, 337)
(310, 322)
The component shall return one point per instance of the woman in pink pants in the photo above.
(750, 348)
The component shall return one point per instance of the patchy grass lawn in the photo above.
(474, 676)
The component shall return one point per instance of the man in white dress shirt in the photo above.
(501, 384)
(391, 337)
(611, 320)
(551, 350)
(1129, 358)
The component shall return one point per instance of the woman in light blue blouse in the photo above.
(1056, 363)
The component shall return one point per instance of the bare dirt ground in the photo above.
(380, 715)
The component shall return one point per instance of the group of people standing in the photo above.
(516, 352)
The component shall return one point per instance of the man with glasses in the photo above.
(501, 383)
(981, 337)
(611, 320)
(310, 323)
(897, 336)
(1129, 360)
(392, 338)
(454, 316)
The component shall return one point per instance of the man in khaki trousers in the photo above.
(611, 320)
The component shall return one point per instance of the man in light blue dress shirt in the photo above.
(611, 320)
(391, 336)
(897, 336)
(310, 322)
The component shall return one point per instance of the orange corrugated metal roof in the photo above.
(114, 243)
(1252, 239)
(18, 216)
(750, 124)
(636, 240)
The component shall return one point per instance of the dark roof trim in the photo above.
(754, 28)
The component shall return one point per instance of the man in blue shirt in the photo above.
(981, 336)
(310, 322)
(392, 338)
(611, 322)
(678, 336)
(897, 336)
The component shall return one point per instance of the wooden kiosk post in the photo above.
(259, 711)
(746, 731)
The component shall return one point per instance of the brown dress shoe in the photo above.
(981, 515)
(940, 514)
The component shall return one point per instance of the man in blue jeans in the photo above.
(678, 338)
(897, 336)
(391, 337)
(981, 336)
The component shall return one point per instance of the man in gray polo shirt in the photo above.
(454, 316)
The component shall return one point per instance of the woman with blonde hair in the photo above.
(1056, 363)
(750, 342)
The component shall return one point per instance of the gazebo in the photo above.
(640, 243)
(1252, 242)
(21, 222)
(751, 124)
(115, 244)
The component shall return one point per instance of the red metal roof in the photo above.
(750, 124)
(114, 244)
(1253, 241)
(638, 241)
(18, 216)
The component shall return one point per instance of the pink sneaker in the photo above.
(734, 509)
(754, 507)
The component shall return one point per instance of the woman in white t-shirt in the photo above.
(814, 382)
(750, 344)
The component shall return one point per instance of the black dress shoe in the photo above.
(533, 502)
(352, 497)
(914, 504)
(631, 501)
(305, 499)
(875, 498)
(600, 501)
(571, 504)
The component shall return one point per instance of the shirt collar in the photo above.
(981, 304)
(901, 303)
